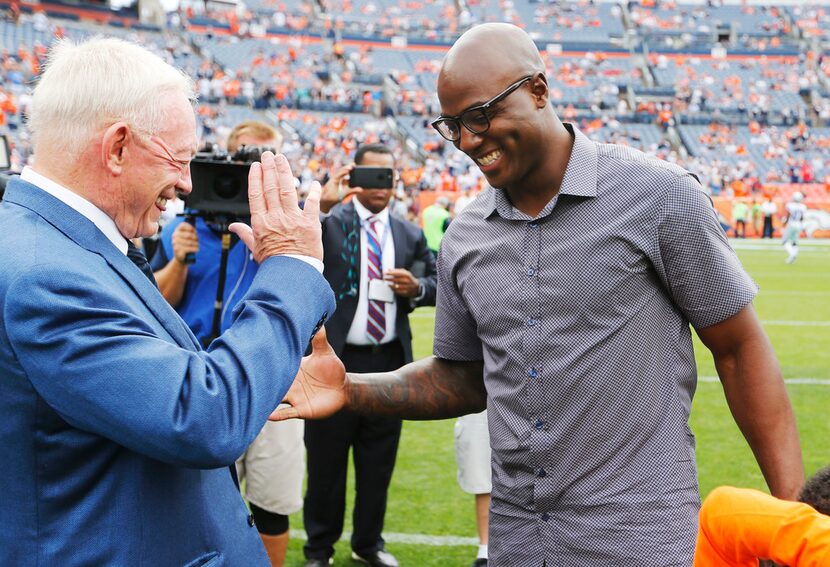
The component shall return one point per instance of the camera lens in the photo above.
(226, 187)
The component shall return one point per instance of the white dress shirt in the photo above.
(357, 332)
(98, 217)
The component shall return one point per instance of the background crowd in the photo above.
(336, 104)
(737, 94)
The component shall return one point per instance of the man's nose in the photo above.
(185, 184)
(467, 140)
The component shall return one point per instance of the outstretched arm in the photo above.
(431, 388)
(757, 398)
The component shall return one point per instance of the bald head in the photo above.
(495, 107)
(497, 51)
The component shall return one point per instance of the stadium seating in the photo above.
(660, 77)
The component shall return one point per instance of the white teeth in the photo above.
(161, 202)
(489, 158)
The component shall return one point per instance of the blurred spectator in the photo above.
(472, 455)
(740, 526)
(740, 211)
(370, 332)
(436, 219)
(793, 225)
(769, 209)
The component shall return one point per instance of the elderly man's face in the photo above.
(159, 166)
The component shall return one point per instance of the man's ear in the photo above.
(114, 148)
(539, 88)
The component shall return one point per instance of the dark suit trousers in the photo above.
(374, 441)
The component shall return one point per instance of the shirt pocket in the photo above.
(212, 559)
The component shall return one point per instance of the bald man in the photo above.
(566, 293)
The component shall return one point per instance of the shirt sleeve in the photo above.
(456, 335)
(310, 260)
(694, 260)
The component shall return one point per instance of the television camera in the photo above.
(220, 182)
(220, 197)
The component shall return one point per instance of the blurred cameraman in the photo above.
(274, 463)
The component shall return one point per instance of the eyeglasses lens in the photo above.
(449, 129)
(476, 120)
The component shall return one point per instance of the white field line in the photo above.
(819, 244)
(757, 274)
(810, 249)
(413, 539)
(797, 323)
(795, 292)
(788, 381)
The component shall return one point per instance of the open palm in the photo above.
(319, 389)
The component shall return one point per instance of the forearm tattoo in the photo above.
(431, 388)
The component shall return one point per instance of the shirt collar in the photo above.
(364, 213)
(98, 217)
(580, 179)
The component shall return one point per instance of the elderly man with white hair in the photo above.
(120, 432)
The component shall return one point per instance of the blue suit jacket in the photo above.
(117, 428)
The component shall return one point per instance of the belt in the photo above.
(369, 348)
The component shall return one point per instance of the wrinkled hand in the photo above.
(319, 390)
(403, 282)
(337, 188)
(185, 241)
(278, 225)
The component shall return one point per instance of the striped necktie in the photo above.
(376, 320)
(139, 259)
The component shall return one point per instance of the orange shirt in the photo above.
(739, 525)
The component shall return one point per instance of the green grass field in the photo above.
(794, 306)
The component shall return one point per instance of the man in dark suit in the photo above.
(119, 432)
(380, 268)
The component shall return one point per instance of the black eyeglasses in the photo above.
(474, 119)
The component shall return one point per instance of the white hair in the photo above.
(91, 85)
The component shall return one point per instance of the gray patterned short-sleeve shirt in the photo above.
(581, 316)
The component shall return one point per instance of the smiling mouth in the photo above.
(489, 159)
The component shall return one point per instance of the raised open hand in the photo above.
(278, 225)
(319, 389)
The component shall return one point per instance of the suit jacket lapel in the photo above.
(84, 233)
(399, 238)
